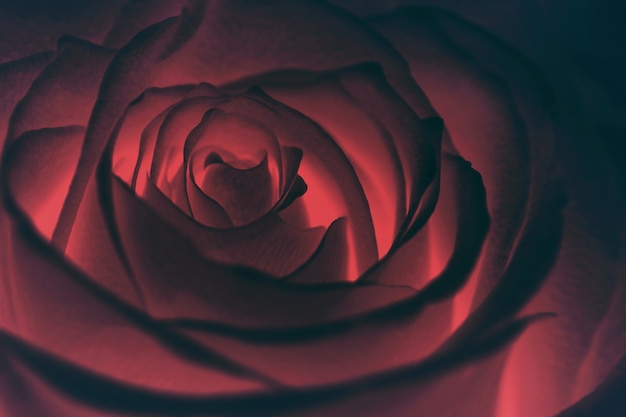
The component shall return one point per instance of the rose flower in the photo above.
(264, 208)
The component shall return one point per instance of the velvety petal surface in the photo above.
(61, 315)
(31, 26)
(170, 56)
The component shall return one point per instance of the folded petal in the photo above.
(333, 187)
(65, 92)
(329, 263)
(182, 51)
(366, 141)
(480, 116)
(585, 285)
(15, 80)
(55, 150)
(31, 26)
(136, 15)
(136, 132)
(69, 316)
(606, 400)
(455, 233)
(180, 283)
(423, 387)
(269, 244)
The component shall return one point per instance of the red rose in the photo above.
(233, 208)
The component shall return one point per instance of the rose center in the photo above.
(242, 185)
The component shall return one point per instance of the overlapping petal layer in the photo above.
(278, 217)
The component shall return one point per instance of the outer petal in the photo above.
(588, 318)
(481, 118)
(587, 280)
(66, 90)
(55, 150)
(31, 26)
(15, 80)
(61, 314)
(420, 388)
(606, 400)
(136, 15)
(456, 233)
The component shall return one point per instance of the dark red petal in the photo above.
(176, 51)
(246, 195)
(269, 244)
(329, 263)
(584, 287)
(163, 142)
(420, 162)
(486, 104)
(455, 234)
(468, 391)
(421, 387)
(161, 151)
(62, 311)
(203, 208)
(184, 296)
(116, 93)
(607, 344)
(292, 185)
(608, 398)
(16, 78)
(238, 140)
(179, 122)
(425, 179)
(137, 15)
(367, 142)
(405, 145)
(241, 142)
(404, 333)
(70, 317)
(330, 39)
(173, 99)
(333, 188)
(54, 151)
(479, 115)
(24, 394)
(531, 260)
(135, 134)
(181, 284)
(463, 194)
(417, 142)
(92, 248)
(145, 158)
(31, 26)
(297, 189)
(65, 92)
(357, 351)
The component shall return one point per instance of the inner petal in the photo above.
(239, 142)
(245, 194)
(235, 162)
